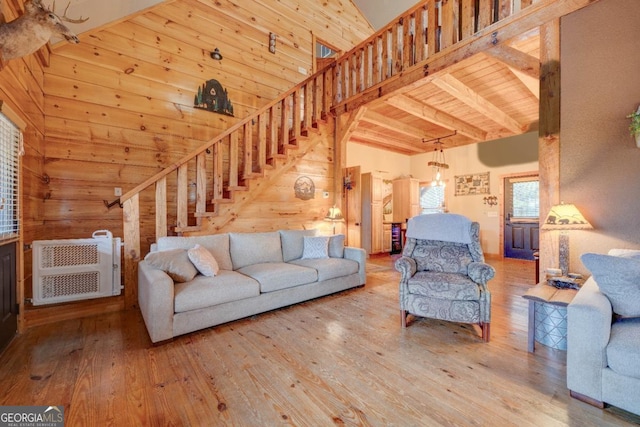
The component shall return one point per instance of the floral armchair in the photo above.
(444, 275)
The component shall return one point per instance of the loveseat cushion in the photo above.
(274, 276)
(205, 291)
(217, 244)
(292, 243)
(329, 268)
(449, 286)
(623, 350)
(254, 248)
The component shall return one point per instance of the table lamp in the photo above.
(565, 217)
(334, 215)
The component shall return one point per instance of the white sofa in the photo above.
(258, 272)
(603, 332)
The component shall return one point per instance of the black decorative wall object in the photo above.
(213, 97)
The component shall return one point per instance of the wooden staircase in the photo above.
(229, 170)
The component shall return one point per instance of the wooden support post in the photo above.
(131, 228)
(182, 202)
(201, 185)
(161, 208)
(549, 136)
(247, 139)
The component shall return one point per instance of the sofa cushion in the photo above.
(292, 243)
(254, 248)
(205, 291)
(336, 246)
(174, 262)
(449, 286)
(315, 247)
(329, 268)
(203, 261)
(618, 279)
(279, 275)
(217, 244)
(623, 350)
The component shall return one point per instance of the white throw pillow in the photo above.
(315, 247)
(203, 260)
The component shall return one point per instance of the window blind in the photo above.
(431, 199)
(10, 144)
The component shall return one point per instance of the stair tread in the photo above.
(205, 214)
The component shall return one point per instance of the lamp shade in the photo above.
(565, 217)
(334, 214)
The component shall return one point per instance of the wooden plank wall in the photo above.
(22, 89)
(118, 107)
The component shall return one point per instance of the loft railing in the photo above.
(421, 32)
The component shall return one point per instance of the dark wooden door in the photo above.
(9, 319)
(521, 217)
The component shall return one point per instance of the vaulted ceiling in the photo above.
(485, 97)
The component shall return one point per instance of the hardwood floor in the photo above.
(338, 360)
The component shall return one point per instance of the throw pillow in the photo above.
(336, 246)
(203, 260)
(315, 247)
(618, 279)
(174, 262)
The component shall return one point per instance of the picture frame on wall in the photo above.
(477, 183)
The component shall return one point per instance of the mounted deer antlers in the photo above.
(33, 29)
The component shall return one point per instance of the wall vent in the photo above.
(76, 269)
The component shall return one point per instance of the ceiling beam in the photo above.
(367, 136)
(517, 59)
(397, 126)
(525, 67)
(464, 93)
(532, 84)
(440, 118)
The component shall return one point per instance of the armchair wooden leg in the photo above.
(403, 318)
(486, 328)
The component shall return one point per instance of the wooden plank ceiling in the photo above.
(485, 97)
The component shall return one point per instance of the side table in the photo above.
(548, 315)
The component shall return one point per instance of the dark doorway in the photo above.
(9, 324)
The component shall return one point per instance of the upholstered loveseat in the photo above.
(603, 332)
(252, 273)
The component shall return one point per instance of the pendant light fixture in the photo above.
(438, 163)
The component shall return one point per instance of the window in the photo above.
(10, 145)
(525, 198)
(431, 199)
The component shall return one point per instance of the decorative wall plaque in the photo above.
(477, 183)
(304, 188)
(213, 97)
